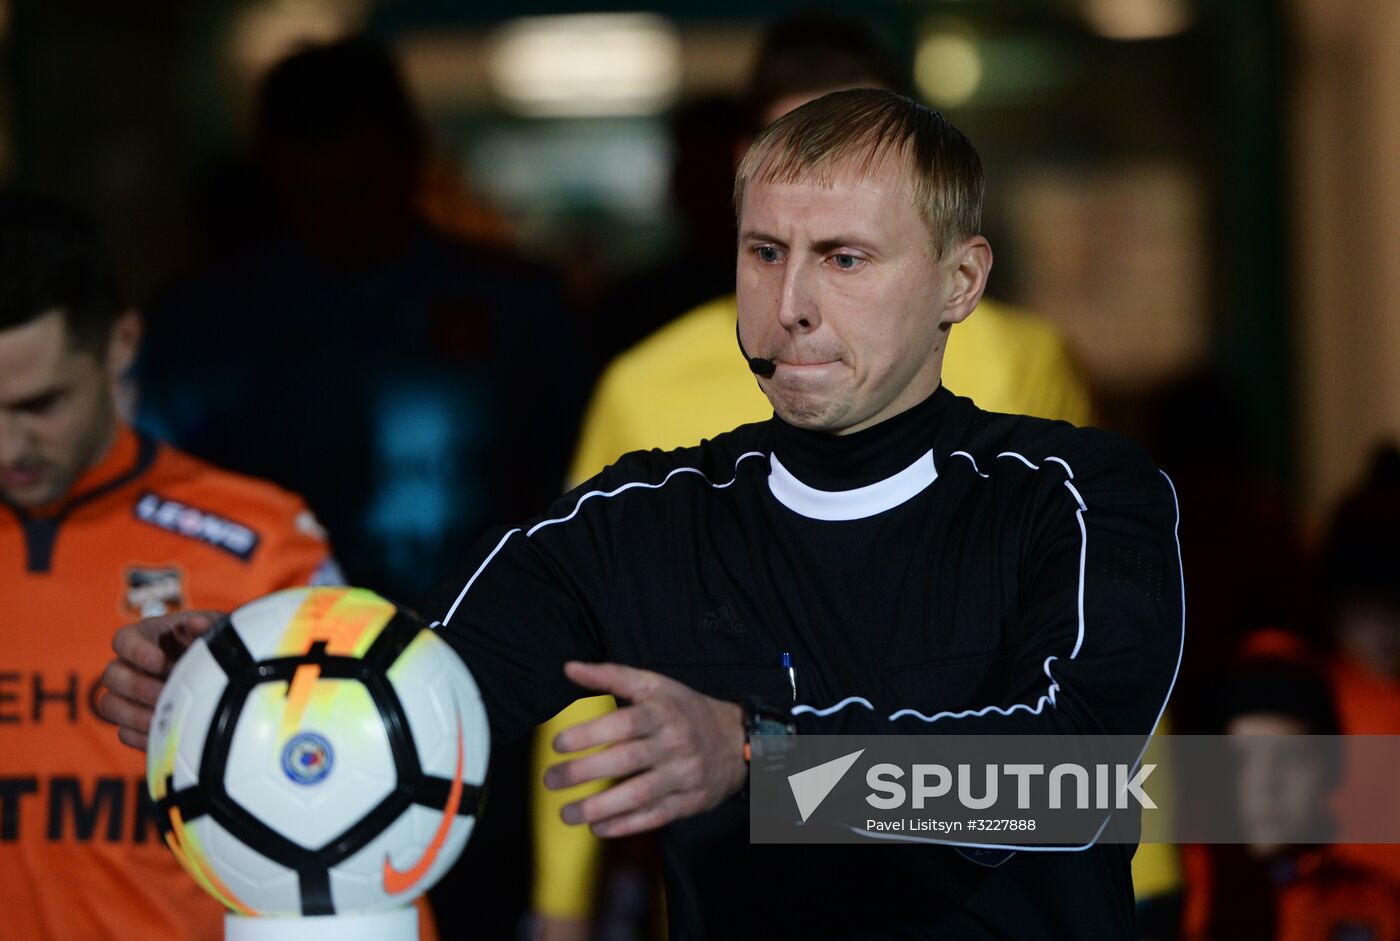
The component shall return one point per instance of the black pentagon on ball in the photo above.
(210, 797)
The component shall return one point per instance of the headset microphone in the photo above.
(757, 364)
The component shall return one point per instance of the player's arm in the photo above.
(515, 613)
(530, 616)
(568, 858)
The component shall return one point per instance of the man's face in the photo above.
(838, 285)
(1283, 781)
(56, 411)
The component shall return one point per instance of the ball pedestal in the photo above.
(399, 924)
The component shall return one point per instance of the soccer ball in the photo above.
(319, 752)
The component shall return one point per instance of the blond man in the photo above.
(881, 556)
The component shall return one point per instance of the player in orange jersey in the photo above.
(1286, 880)
(99, 525)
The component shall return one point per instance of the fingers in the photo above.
(145, 653)
(187, 626)
(617, 726)
(680, 748)
(634, 806)
(131, 717)
(625, 797)
(153, 645)
(653, 817)
(622, 759)
(134, 739)
(127, 701)
(136, 646)
(627, 682)
(134, 685)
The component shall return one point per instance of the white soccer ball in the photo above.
(320, 752)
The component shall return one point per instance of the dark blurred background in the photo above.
(469, 213)
(1181, 184)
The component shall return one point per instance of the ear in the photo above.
(970, 263)
(123, 341)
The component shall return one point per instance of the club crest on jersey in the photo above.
(194, 523)
(151, 592)
(307, 758)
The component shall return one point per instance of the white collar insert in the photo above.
(840, 505)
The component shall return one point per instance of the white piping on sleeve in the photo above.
(646, 486)
(590, 494)
(1181, 648)
(1083, 553)
(1176, 535)
(849, 700)
(977, 470)
(1018, 456)
(1048, 697)
(467, 587)
(1026, 461)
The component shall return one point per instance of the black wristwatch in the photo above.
(762, 719)
(776, 725)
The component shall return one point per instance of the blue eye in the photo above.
(845, 262)
(767, 253)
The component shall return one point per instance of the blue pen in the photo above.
(792, 674)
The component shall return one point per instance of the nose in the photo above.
(798, 311)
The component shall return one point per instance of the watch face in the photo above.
(771, 740)
(765, 725)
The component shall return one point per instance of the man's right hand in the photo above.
(145, 653)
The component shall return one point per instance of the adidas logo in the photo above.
(721, 620)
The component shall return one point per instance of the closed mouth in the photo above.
(18, 476)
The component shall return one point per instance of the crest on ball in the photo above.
(307, 758)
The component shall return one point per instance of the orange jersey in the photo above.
(1367, 704)
(148, 530)
(1323, 896)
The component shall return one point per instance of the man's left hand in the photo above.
(680, 752)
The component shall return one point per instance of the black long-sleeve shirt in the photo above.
(948, 570)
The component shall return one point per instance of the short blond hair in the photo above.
(866, 125)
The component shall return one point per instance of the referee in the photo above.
(925, 567)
